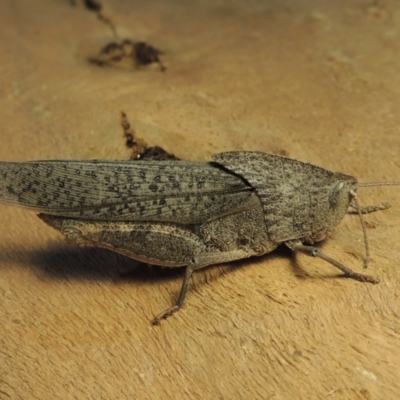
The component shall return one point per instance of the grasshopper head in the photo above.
(338, 193)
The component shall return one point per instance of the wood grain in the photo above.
(317, 81)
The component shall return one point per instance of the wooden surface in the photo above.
(318, 81)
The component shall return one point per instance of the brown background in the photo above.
(318, 81)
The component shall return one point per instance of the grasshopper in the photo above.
(186, 213)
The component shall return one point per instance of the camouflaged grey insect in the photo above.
(186, 213)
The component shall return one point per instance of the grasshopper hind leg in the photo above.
(171, 310)
(229, 238)
(164, 244)
(203, 260)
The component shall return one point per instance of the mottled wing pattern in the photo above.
(185, 192)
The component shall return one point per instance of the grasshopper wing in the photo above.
(179, 191)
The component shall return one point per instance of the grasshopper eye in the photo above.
(334, 193)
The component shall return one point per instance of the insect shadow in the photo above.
(67, 262)
(62, 262)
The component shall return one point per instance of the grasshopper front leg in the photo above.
(313, 251)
